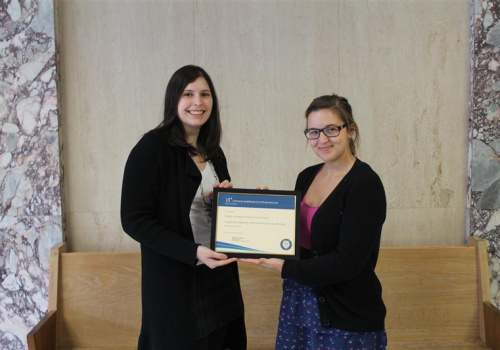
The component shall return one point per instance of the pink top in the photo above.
(306, 215)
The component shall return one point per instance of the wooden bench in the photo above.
(437, 298)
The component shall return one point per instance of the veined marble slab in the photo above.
(30, 175)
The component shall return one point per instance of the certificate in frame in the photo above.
(256, 223)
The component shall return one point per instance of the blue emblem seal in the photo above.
(286, 244)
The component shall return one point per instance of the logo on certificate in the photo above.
(286, 244)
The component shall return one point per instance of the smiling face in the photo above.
(195, 106)
(331, 149)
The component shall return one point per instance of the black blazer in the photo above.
(159, 185)
(345, 241)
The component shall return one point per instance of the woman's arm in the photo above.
(139, 205)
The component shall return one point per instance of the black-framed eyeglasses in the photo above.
(329, 131)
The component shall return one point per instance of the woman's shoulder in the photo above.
(364, 174)
(313, 169)
(365, 168)
(153, 147)
(153, 141)
(152, 137)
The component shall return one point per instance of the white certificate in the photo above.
(256, 223)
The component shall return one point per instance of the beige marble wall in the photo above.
(403, 65)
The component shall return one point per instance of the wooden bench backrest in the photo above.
(430, 293)
(98, 300)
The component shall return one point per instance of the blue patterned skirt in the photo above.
(300, 327)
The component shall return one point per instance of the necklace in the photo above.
(207, 204)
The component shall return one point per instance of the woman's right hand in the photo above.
(212, 259)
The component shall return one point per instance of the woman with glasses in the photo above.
(191, 296)
(332, 298)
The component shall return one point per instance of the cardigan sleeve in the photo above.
(359, 235)
(140, 191)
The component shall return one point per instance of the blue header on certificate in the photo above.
(256, 201)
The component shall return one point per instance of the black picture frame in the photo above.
(288, 246)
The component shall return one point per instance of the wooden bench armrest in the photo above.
(492, 325)
(43, 335)
(483, 280)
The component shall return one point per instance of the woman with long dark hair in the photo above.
(191, 296)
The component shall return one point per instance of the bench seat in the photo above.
(436, 298)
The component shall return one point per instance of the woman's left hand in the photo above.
(223, 184)
(271, 264)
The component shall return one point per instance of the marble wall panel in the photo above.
(484, 135)
(425, 224)
(267, 60)
(403, 65)
(115, 63)
(30, 175)
(101, 226)
(270, 60)
(405, 68)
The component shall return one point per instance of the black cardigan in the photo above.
(345, 241)
(159, 184)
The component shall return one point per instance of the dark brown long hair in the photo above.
(209, 138)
